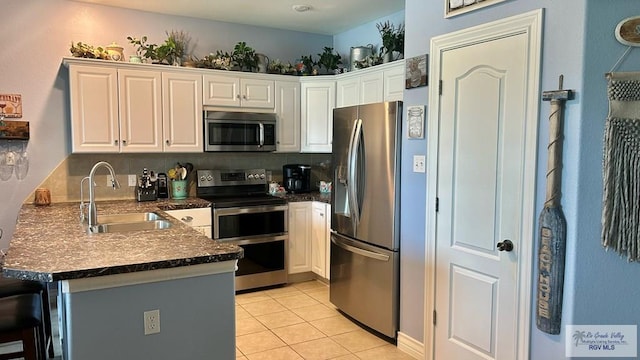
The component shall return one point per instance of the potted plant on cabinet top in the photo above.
(171, 52)
(392, 40)
(329, 60)
(244, 56)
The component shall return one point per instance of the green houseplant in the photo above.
(244, 56)
(392, 40)
(329, 60)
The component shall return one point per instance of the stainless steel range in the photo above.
(243, 213)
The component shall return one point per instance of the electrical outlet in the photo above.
(419, 163)
(133, 180)
(152, 322)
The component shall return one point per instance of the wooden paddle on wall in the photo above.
(553, 226)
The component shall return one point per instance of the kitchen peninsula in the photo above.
(108, 281)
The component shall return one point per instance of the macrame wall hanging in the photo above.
(621, 158)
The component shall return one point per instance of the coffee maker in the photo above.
(296, 178)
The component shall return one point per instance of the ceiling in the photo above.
(328, 17)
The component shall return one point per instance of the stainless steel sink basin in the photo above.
(128, 218)
(130, 226)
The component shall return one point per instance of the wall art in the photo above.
(416, 74)
(457, 7)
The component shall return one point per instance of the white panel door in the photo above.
(319, 239)
(182, 112)
(257, 93)
(318, 101)
(288, 111)
(348, 91)
(481, 170)
(221, 90)
(94, 109)
(140, 111)
(371, 88)
(394, 82)
(300, 225)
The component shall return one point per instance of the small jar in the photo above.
(115, 51)
(42, 197)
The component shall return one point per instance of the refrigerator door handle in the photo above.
(356, 250)
(353, 171)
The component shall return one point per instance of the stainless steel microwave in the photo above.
(239, 131)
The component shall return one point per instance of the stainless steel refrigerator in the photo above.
(365, 221)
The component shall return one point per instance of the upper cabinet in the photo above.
(238, 91)
(375, 84)
(134, 110)
(318, 101)
(94, 109)
(182, 112)
(288, 112)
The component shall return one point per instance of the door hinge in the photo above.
(437, 204)
(434, 317)
(440, 87)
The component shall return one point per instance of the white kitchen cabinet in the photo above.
(317, 103)
(182, 112)
(140, 104)
(371, 85)
(288, 112)
(94, 109)
(394, 79)
(319, 238)
(327, 218)
(238, 91)
(199, 219)
(300, 230)
(133, 110)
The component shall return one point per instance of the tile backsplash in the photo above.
(64, 181)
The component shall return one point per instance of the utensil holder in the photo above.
(179, 189)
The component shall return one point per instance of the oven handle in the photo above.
(248, 210)
(257, 240)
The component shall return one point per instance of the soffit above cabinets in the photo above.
(327, 17)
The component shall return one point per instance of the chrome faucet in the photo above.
(92, 215)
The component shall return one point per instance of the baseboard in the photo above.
(410, 346)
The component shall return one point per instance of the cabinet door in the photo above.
(319, 239)
(140, 111)
(221, 90)
(371, 88)
(300, 223)
(288, 111)
(182, 112)
(318, 101)
(348, 92)
(257, 93)
(394, 82)
(94, 109)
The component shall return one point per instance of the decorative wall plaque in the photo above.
(10, 106)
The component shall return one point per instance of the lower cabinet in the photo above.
(300, 222)
(309, 226)
(319, 239)
(199, 219)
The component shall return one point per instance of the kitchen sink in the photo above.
(114, 227)
(129, 218)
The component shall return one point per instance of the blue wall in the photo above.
(579, 43)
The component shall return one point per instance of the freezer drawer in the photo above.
(365, 283)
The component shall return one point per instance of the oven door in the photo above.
(239, 135)
(262, 231)
(251, 222)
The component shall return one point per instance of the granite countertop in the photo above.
(312, 196)
(50, 243)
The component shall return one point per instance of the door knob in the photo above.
(505, 245)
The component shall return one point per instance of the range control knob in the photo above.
(209, 177)
(250, 176)
(262, 176)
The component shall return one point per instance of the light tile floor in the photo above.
(293, 322)
(297, 321)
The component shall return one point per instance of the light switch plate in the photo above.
(419, 163)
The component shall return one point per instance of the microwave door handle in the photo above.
(261, 135)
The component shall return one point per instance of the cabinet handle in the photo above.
(238, 96)
(244, 97)
(115, 142)
(168, 143)
(124, 142)
(187, 218)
